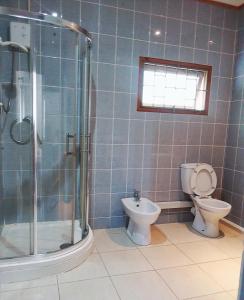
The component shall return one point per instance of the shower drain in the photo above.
(65, 245)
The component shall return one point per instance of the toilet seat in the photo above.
(212, 205)
(203, 181)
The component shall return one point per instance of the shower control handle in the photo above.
(68, 137)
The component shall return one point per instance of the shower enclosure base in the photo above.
(40, 265)
(14, 238)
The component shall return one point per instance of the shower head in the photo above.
(14, 45)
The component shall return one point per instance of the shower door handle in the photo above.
(68, 137)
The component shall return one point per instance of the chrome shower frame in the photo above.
(36, 265)
(41, 17)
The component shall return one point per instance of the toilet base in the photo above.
(206, 222)
(209, 230)
(203, 226)
(139, 233)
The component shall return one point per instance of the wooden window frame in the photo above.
(180, 64)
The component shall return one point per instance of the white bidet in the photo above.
(142, 214)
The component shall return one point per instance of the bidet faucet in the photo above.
(136, 195)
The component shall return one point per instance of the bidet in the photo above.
(141, 217)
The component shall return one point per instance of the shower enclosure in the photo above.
(44, 144)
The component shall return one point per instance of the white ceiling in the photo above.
(232, 2)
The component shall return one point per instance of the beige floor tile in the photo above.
(95, 289)
(238, 260)
(180, 233)
(123, 262)
(45, 281)
(189, 282)
(112, 240)
(241, 236)
(234, 294)
(172, 225)
(94, 250)
(230, 245)
(228, 230)
(218, 296)
(93, 267)
(142, 286)
(202, 251)
(37, 293)
(225, 272)
(158, 237)
(165, 257)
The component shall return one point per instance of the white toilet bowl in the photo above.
(142, 214)
(200, 181)
(208, 213)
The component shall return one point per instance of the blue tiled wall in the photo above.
(144, 150)
(233, 183)
(139, 150)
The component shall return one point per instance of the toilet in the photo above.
(142, 214)
(200, 181)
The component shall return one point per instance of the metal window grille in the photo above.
(173, 87)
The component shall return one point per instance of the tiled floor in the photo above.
(179, 264)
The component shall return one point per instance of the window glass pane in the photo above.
(147, 95)
(191, 86)
(170, 77)
(200, 103)
(148, 77)
(181, 79)
(174, 87)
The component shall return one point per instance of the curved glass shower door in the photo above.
(43, 138)
(57, 154)
(62, 59)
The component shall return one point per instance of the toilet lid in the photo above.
(203, 180)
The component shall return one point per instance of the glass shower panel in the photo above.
(58, 153)
(44, 140)
(16, 171)
(84, 130)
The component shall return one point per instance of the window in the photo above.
(173, 87)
